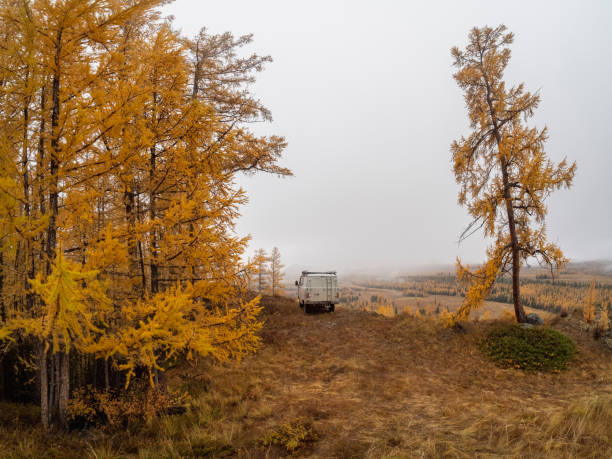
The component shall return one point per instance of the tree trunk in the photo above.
(2, 307)
(41, 151)
(143, 275)
(44, 386)
(152, 215)
(28, 256)
(54, 162)
(132, 241)
(106, 379)
(43, 373)
(63, 388)
(58, 401)
(519, 312)
(27, 266)
(25, 161)
(141, 260)
(54, 367)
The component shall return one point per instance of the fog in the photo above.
(364, 94)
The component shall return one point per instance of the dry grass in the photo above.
(370, 386)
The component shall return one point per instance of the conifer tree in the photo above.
(502, 169)
(588, 310)
(261, 260)
(276, 272)
(121, 145)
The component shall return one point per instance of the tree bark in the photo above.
(54, 159)
(63, 387)
(152, 215)
(58, 402)
(53, 172)
(44, 386)
(2, 307)
(53, 386)
(28, 262)
(519, 312)
(41, 150)
(141, 261)
(106, 376)
(25, 160)
(132, 241)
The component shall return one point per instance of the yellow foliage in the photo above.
(385, 310)
(138, 403)
(501, 167)
(480, 283)
(588, 310)
(122, 142)
(604, 320)
(174, 323)
(73, 300)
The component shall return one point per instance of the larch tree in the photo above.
(602, 320)
(588, 310)
(121, 145)
(262, 269)
(276, 272)
(58, 51)
(502, 169)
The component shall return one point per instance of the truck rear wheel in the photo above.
(332, 308)
(306, 308)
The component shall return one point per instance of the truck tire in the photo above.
(332, 308)
(306, 308)
(301, 305)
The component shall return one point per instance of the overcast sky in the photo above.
(363, 92)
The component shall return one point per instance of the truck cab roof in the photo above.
(318, 273)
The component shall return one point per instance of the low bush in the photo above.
(90, 406)
(292, 437)
(531, 349)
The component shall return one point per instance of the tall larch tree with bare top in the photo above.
(502, 169)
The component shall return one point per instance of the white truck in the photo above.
(318, 290)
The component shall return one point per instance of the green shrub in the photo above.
(531, 349)
(292, 437)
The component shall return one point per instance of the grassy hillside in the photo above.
(356, 384)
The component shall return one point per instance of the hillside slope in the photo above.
(371, 386)
(353, 384)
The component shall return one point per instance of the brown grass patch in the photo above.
(371, 386)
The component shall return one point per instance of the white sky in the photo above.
(363, 92)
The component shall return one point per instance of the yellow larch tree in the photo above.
(276, 272)
(73, 306)
(502, 169)
(262, 269)
(123, 142)
(51, 50)
(588, 310)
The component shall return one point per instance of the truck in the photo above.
(318, 290)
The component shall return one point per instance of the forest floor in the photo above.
(354, 384)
